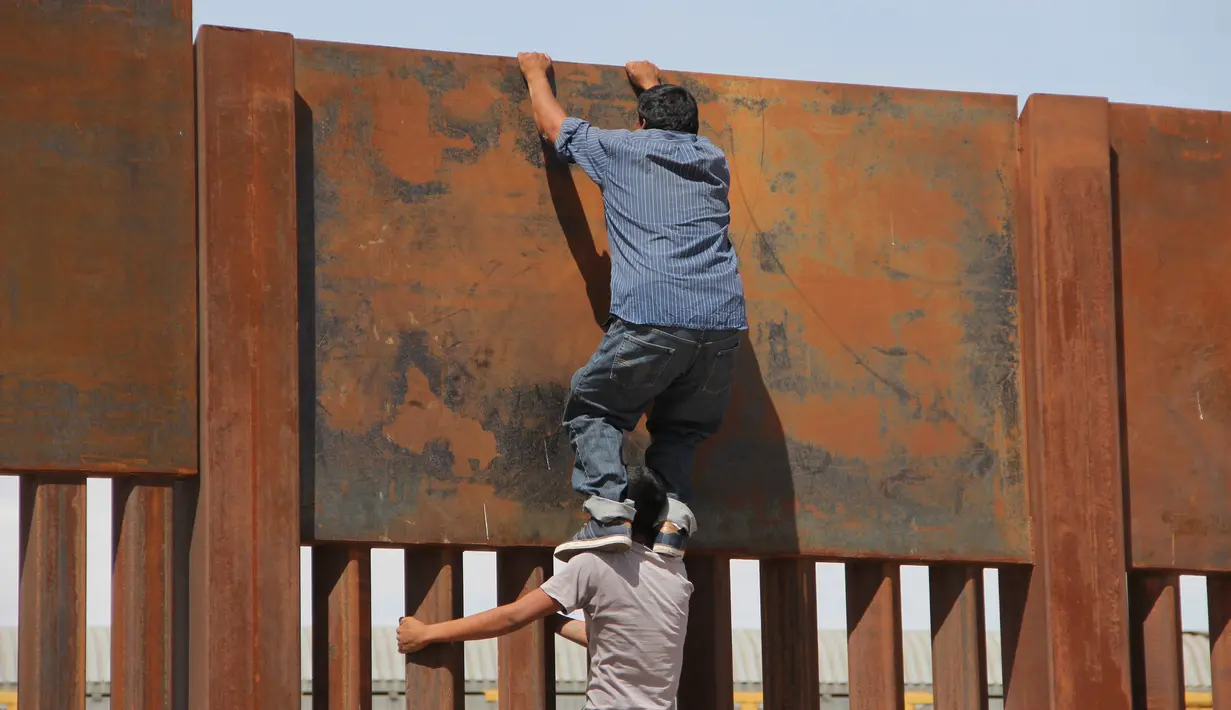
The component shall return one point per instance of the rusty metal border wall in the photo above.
(461, 275)
(1118, 215)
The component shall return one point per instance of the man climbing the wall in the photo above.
(636, 613)
(677, 303)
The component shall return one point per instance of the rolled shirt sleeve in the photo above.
(581, 143)
(573, 588)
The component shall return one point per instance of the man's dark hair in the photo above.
(669, 108)
(648, 492)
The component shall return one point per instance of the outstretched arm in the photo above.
(414, 635)
(548, 114)
(571, 629)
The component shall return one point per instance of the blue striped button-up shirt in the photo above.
(665, 195)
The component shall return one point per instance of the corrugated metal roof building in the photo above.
(388, 666)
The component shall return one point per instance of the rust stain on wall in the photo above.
(462, 273)
(1171, 181)
(98, 305)
(423, 418)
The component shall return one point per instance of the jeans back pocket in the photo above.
(722, 371)
(639, 363)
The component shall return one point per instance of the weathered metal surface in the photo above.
(1172, 178)
(98, 278)
(51, 618)
(1076, 601)
(245, 543)
(1218, 592)
(144, 632)
(874, 635)
(341, 627)
(461, 277)
(790, 649)
(1024, 641)
(1154, 631)
(527, 658)
(708, 674)
(435, 676)
(959, 641)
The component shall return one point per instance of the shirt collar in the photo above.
(670, 135)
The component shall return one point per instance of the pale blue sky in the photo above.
(1139, 51)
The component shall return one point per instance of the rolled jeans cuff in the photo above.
(679, 515)
(606, 511)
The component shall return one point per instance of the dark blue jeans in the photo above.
(686, 374)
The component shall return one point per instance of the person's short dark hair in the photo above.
(648, 492)
(669, 107)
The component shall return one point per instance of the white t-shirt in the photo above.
(636, 607)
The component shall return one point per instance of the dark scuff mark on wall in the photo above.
(883, 104)
(990, 332)
(413, 351)
(910, 316)
(410, 192)
(767, 255)
(612, 85)
(343, 59)
(438, 76)
(531, 439)
(783, 342)
(756, 106)
(779, 351)
(783, 182)
(702, 93)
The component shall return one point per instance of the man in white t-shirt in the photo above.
(636, 613)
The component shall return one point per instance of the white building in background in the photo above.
(389, 681)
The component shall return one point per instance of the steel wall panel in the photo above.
(707, 676)
(51, 640)
(244, 568)
(98, 297)
(874, 635)
(148, 605)
(1156, 641)
(341, 627)
(435, 676)
(527, 657)
(1172, 178)
(1219, 593)
(959, 637)
(461, 277)
(1069, 611)
(790, 647)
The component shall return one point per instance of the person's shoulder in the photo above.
(637, 554)
(615, 136)
(669, 573)
(647, 557)
(585, 558)
(592, 560)
(575, 124)
(711, 147)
